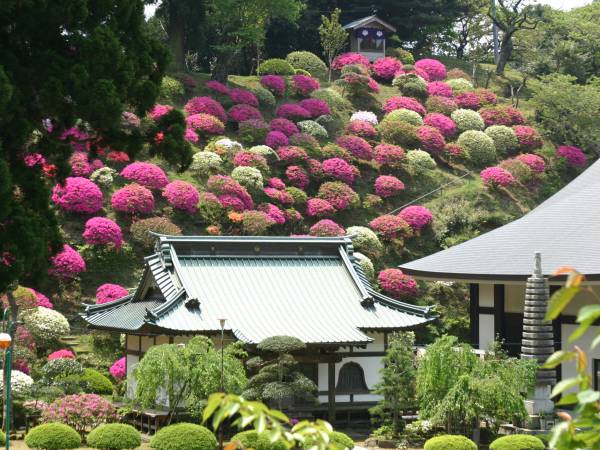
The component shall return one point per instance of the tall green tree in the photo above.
(61, 62)
(333, 37)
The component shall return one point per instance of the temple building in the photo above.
(564, 230)
(309, 288)
(368, 36)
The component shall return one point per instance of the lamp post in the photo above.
(5, 344)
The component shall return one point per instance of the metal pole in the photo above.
(7, 377)
(495, 33)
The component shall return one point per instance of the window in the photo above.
(351, 379)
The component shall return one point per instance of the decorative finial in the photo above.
(538, 264)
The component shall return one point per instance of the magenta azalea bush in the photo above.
(147, 174)
(389, 155)
(133, 199)
(67, 264)
(574, 156)
(205, 105)
(338, 194)
(293, 111)
(397, 284)
(435, 70)
(443, 123)
(317, 207)
(42, 300)
(439, 88)
(284, 126)
(361, 128)
(304, 84)
(291, 154)
(243, 96)
(102, 231)
(61, 354)
(327, 227)
(230, 193)
(205, 124)
(528, 137)
(276, 139)
(533, 161)
(109, 292)
(468, 100)
(349, 58)
(80, 166)
(159, 111)
(315, 106)
(241, 113)
(297, 176)
(390, 226)
(418, 217)
(339, 169)
(78, 195)
(357, 146)
(274, 83)
(495, 116)
(497, 176)
(118, 369)
(182, 195)
(217, 87)
(385, 68)
(388, 186)
(431, 139)
(394, 103)
(83, 412)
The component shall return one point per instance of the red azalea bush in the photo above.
(497, 176)
(468, 100)
(80, 166)
(118, 370)
(67, 264)
(496, 115)
(61, 354)
(317, 207)
(574, 156)
(388, 186)
(274, 83)
(390, 226)
(81, 411)
(133, 199)
(291, 153)
(315, 106)
(182, 195)
(297, 176)
(284, 126)
(349, 58)
(325, 228)
(240, 113)
(118, 157)
(217, 86)
(389, 155)
(357, 146)
(205, 105)
(102, 231)
(361, 128)
(147, 174)
(397, 284)
(304, 84)
(108, 292)
(158, 111)
(435, 70)
(339, 169)
(442, 123)
(292, 111)
(431, 139)
(243, 96)
(386, 67)
(486, 96)
(439, 88)
(516, 116)
(454, 149)
(228, 190)
(279, 195)
(246, 158)
(205, 123)
(418, 217)
(276, 139)
(394, 103)
(535, 162)
(339, 195)
(78, 195)
(529, 139)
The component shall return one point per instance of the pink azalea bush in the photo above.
(315, 168)
(440, 88)
(533, 161)
(217, 87)
(418, 217)
(361, 128)
(67, 264)
(297, 176)
(339, 169)
(291, 153)
(147, 174)
(389, 155)
(102, 231)
(495, 116)
(205, 105)
(315, 106)
(205, 124)
(528, 137)
(42, 300)
(274, 214)
(497, 176)
(80, 166)
(274, 83)
(443, 123)
(431, 139)
(394, 103)
(317, 207)
(390, 226)
(515, 115)
(243, 96)
(280, 196)
(468, 100)
(386, 67)
(284, 126)
(397, 284)
(250, 159)
(241, 113)
(357, 146)
(325, 228)
(133, 199)
(276, 139)
(109, 292)
(304, 84)
(574, 156)
(159, 111)
(229, 192)
(388, 186)
(435, 70)
(118, 369)
(338, 194)
(78, 195)
(182, 195)
(349, 58)
(81, 411)
(61, 354)
(276, 183)
(292, 111)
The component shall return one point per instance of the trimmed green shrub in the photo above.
(342, 439)
(61, 367)
(52, 436)
(419, 162)
(411, 85)
(466, 119)
(366, 264)
(398, 132)
(308, 61)
(251, 439)
(365, 240)
(405, 115)
(184, 436)
(249, 177)
(517, 442)
(459, 85)
(478, 146)
(300, 197)
(505, 139)
(265, 97)
(450, 442)
(140, 228)
(114, 436)
(96, 383)
(275, 66)
(302, 72)
(403, 55)
(170, 88)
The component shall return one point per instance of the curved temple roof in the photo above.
(309, 288)
(565, 229)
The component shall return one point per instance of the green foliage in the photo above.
(450, 442)
(505, 139)
(365, 240)
(405, 115)
(266, 99)
(52, 436)
(184, 436)
(167, 139)
(459, 85)
(300, 197)
(398, 132)
(62, 367)
(140, 230)
(275, 66)
(333, 36)
(419, 162)
(96, 383)
(337, 438)
(114, 436)
(466, 119)
(411, 85)
(171, 89)
(517, 442)
(307, 61)
(404, 56)
(479, 147)
(2, 438)
(252, 439)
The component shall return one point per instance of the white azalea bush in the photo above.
(205, 164)
(366, 116)
(313, 128)
(224, 145)
(366, 265)
(20, 382)
(266, 151)
(103, 177)
(365, 240)
(419, 162)
(249, 177)
(45, 324)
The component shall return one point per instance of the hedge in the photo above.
(114, 436)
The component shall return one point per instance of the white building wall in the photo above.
(487, 333)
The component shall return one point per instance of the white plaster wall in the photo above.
(486, 295)
(486, 331)
(131, 361)
(568, 369)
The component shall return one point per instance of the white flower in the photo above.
(228, 145)
(366, 264)
(313, 128)
(45, 324)
(20, 382)
(249, 177)
(366, 116)
(266, 151)
(205, 163)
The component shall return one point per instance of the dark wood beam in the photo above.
(499, 322)
(331, 392)
(474, 313)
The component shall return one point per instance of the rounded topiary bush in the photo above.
(466, 119)
(479, 147)
(184, 436)
(405, 115)
(505, 139)
(450, 442)
(52, 436)
(517, 442)
(275, 66)
(251, 439)
(114, 436)
(96, 383)
(307, 61)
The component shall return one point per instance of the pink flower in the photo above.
(78, 195)
(291, 153)
(357, 146)
(574, 156)
(34, 159)
(147, 174)
(205, 105)
(279, 196)
(516, 115)
(118, 369)
(338, 194)
(326, 227)
(435, 70)
(317, 207)
(217, 86)
(284, 126)
(535, 162)
(191, 136)
(61, 354)
(497, 176)
(385, 68)
(42, 300)
(67, 264)
(240, 113)
(292, 111)
(349, 58)
(431, 139)
(454, 149)
(388, 186)
(274, 214)
(496, 115)
(159, 111)
(529, 139)
(110, 292)
(486, 96)
(443, 123)
(276, 183)
(468, 100)
(119, 157)
(274, 83)
(182, 195)
(418, 217)
(80, 166)
(244, 97)
(297, 176)
(389, 155)
(276, 139)
(439, 88)
(394, 103)
(315, 106)
(246, 158)
(229, 191)
(102, 231)
(362, 129)
(397, 284)
(133, 199)
(304, 84)
(205, 123)
(339, 169)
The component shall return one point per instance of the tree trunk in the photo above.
(506, 48)
(221, 69)
(175, 36)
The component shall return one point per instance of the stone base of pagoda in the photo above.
(539, 402)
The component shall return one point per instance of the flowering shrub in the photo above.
(227, 190)
(118, 369)
(404, 115)
(45, 324)
(453, 149)
(273, 212)
(147, 174)
(182, 195)
(356, 84)
(118, 157)
(304, 84)
(439, 88)
(276, 183)
(133, 199)
(388, 186)
(361, 128)
(252, 131)
(284, 126)
(102, 231)
(293, 111)
(418, 217)
(289, 154)
(61, 354)
(66, 264)
(265, 151)
(497, 176)
(240, 113)
(274, 83)
(103, 177)
(41, 299)
(393, 103)
(389, 155)
(159, 111)
(249, 177)
(398, 132)
(505, 139)
(574, 156)
(205, 124)
(297, 176)
(317, 207)
(78, 195)
(466, 119)
(205, 164)
(397, 284)
(276, 139)
(411, 85)
(478, 146)
(339, 169)
(495, 115)
(81, 411)
(80, 166)
(205, 105)
(365, 116)
(315, 106)
(431, 139)
(280, 196)
(365, 264)
(224, 146)
(326, 227)
(435, 70)
(315, 168)
(386, 67)
(459, 85)
(130, 120)
(349, 58)
(217, 87)
(357, 146)
(140, 228)
(529, 139)
(516, 116)
(255, 223)
(486, 97)
(442, 105)
(365, 240)
(390, 227)
(243, 96)
(20, 383)
(312, 128)
(250, 159)
(443, 123)
(468, 100)
(109, 292)
(420, 161)
(339, 195)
